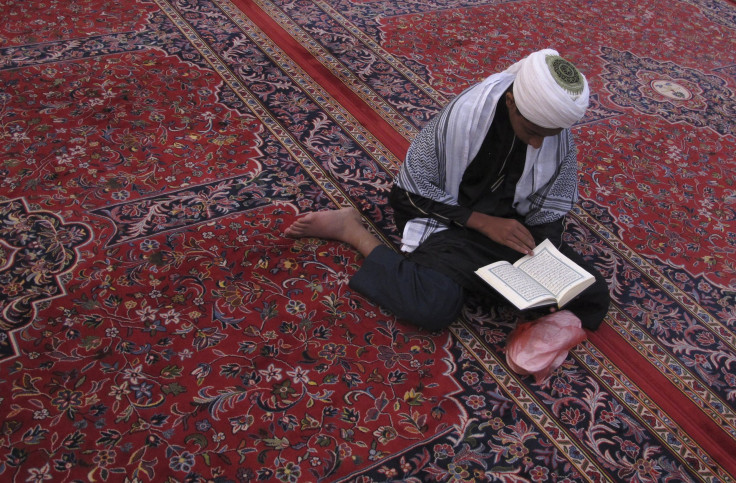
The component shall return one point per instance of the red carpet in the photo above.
(157, 326)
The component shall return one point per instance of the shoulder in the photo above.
(494, 82)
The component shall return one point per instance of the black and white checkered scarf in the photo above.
(444, 148)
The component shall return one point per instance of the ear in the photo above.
(510, 102)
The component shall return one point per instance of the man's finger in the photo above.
(520, 247)
(526, 240)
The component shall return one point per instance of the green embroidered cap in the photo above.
(565, 74)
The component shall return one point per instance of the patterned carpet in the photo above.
(157, 326)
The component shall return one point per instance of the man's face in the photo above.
(524, 129)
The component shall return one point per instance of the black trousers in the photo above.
(431, 299)
(418, 294)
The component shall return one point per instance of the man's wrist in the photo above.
(478, 220)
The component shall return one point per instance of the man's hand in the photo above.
(505, 231)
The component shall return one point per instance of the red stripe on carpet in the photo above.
(364, 113)
(697, 425)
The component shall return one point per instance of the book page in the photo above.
(550, 270)
(545, 277)
(524, 286)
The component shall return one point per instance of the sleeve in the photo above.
(409, 205)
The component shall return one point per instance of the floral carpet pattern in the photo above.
(155, 324)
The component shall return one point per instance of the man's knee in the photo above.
(440, 312)
(437, 300)
(415, 293)
(592, 305)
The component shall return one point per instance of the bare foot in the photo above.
(344, 225)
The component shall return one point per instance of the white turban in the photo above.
(549, 91)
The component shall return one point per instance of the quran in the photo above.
(545, 278)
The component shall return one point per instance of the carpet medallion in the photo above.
(157, 326)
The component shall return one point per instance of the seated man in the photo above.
(492, 175)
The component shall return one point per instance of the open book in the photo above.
(548, 277)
